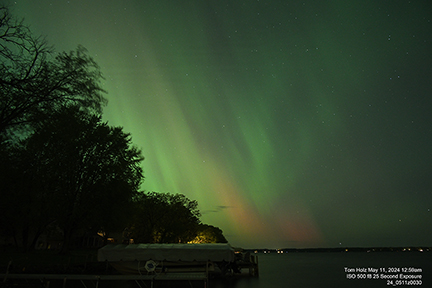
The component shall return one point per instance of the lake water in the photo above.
(310, 270)
(327, 269)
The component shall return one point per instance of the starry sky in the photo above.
(292, 123)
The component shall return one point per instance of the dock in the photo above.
(46, 279)
(146, 264)
(247, 262)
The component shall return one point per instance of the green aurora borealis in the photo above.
(292, 123)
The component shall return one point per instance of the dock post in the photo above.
(7, 271)
(207, 274)
(257, 268)
(253, 268)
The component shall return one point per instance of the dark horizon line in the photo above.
(347, 249)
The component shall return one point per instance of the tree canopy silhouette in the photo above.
(71, 172)
(209, 234)
(79, 173)
(34, 81)
(164, 218)
(170, 218)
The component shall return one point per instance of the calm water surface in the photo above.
(307, 270)
(299, 270)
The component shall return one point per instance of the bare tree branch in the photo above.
(34, 81)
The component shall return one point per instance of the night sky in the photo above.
(292, 123)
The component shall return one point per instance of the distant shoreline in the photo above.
(343, 249)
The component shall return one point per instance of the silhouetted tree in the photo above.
(209, 234)
(164, 218)
(17, 195)
(68, 169)
(80, 172)
(34, 82)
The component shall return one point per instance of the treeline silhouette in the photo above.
(63, 171)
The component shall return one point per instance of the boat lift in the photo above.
(143, 263)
